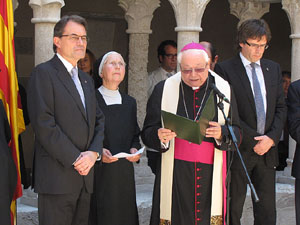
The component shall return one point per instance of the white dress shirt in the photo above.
(260, 77)
(155, 77)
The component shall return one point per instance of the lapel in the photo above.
(243, 77)
(87, 94)
(64, 76)
(268, 80)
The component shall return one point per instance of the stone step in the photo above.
(284, 197)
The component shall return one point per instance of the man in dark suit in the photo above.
(68, 128)
(8, 172)
(258, 89)
(293, 119)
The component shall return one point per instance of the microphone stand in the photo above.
(234, 140)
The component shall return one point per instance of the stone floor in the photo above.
(285, 207)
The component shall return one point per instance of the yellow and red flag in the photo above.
(9, 89)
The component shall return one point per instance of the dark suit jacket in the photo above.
(293, 103)
(234, 72)
(62, 127)
(8, 172)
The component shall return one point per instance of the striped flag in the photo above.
(9, 90)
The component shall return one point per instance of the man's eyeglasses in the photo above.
(75, 37)
(196, 70)
(171, 56)
(264, 46)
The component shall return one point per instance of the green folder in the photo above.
(192, 131)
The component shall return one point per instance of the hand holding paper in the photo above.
(107, 157)
(124, 155)
(134, 157)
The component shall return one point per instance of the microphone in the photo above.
(219, 93)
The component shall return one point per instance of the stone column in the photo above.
(15, 6)
(292, 8)
(247, 9)
(138, 14)
(46, 13)
(188, 15)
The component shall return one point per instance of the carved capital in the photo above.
(189, 14)
(292, 9)
(246, 9)
(46, 11)
(15, 4)
(139, 14)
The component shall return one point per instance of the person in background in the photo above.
(212, 53)
(293, 119)
(25, 173)
(8, 171)
(86, 63)
(257, 85)
(68, 127)
(283, 144)
(114, 198)
(167, 57)
(188, 189)
(286, 81)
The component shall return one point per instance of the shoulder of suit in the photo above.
(230, 61)
(295, 84)
(269, 62)
(159, 86)
(43, 68)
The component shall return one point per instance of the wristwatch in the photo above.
(98, 156)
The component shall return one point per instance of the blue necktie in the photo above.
(74, 75)
(259, 104)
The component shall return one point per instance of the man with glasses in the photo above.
(257, 85)
(167, 57)
(68, 127)
(189, 186)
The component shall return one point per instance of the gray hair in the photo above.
(104, 60)
(204, 53)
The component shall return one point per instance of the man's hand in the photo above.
(165, 135)
(85, 162)
(264, 144)
(214, 130)
(107, 156)
(134, 158)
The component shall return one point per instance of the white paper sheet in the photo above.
(124, 155)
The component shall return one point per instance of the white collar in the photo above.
(246, 62)
(110, 93)
(111, 97)
(66, 63)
